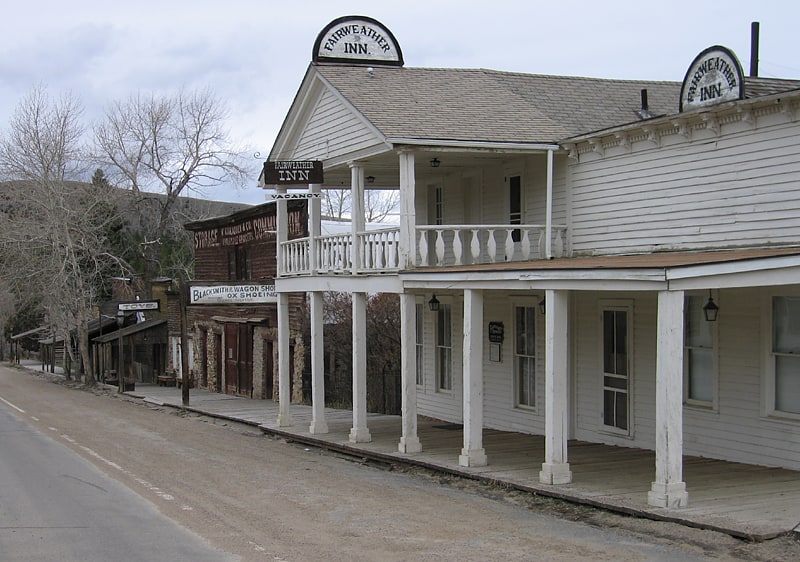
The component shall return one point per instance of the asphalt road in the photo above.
(261, 498)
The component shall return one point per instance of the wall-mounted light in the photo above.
(711, 310)
(433, 304)
(543, 306)
(435, 163)
(370, 179)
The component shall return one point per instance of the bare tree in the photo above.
(379, 205)
(171, 145)
(54, 230)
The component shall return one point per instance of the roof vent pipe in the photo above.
(754, 49)
(645, 108)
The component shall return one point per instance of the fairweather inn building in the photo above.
(613, 262)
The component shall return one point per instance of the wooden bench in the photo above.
(166, 380)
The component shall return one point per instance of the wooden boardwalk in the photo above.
(747, 501)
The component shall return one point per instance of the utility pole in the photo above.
(184, 340)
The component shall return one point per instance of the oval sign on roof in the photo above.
(357, 39)
(715, 76)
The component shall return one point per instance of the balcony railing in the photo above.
(440, 245)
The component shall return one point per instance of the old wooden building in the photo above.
(232, 310)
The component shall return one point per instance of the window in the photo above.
(444, 347)
(438, 205)
(786, 355)
(420, 308)
(525, 355)
(699, 363)
(615, 369)
(240, 264)
(515, 205)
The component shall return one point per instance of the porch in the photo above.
(747, 501)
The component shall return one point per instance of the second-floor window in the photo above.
(438, 205)
(515, 205)
(240, 264)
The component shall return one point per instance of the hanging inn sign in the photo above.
(292, 172)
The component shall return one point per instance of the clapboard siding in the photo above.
(735, 431)
(499, 400)
(431, 402)
(740, 189)
(332, 131)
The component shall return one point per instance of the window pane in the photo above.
(701, 378)
(698, 329)
(420, 326)
(526, 373)
(786, 324)
(608, 407)
(622, 411)
(787, 384)
(615, 335)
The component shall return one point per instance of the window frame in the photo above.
(445, 304)
(769, 407)
(419, 343)
(713, 404)
(529, 303)
(627, 306)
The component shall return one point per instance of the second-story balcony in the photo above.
(377, 251)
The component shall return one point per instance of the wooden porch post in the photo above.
(359, 433)
(284, 377)
(473, 453)
(318, 423)
(407, 240)
(409, 441)
(356, 213)
(668, 489)
(314, 226)
(555, 468)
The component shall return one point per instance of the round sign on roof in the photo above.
(357, 39)
(715, 76)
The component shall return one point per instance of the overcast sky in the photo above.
(253, 53)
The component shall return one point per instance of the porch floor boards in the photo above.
(743, 500)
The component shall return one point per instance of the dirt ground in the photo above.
(264, 498)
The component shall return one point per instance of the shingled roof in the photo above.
(492, 106)
(479, 105)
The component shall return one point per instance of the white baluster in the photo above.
(558, 245)
(423, 247)
(439, 246)
(475, 246)
(510, 244)
(457, 248)
(525, 244)
(491, 246)
(542, 245)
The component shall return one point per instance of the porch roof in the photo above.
(665, 260)
(654, 271)
(129, 330)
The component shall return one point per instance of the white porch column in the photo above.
(314, 226)
(359, 433)
(282, 223)
(555, 468)
(669, 490)
(318, 423)
(408, 239)
(356, 213)
(284, 378)
(548, 230)
(473, 454)
(409, 441)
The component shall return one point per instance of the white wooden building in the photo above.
(570, 234)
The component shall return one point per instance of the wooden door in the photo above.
(269, 370)
(244, 367)
(231, 358)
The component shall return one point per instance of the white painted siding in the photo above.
(739, 189)
(332, 131)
